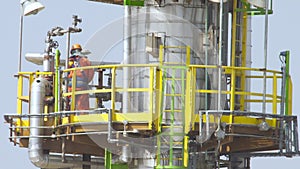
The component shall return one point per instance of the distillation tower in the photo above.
(181, 96)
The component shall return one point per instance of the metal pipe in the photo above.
(40, 87)
(200, 125)
(21, 41)
(109, 128)
(265, 56)
(207, 124)
(206, 52)
(126, 55)
(220, 55)
(282, 102)
(67, 66)
(57, 82)
(63, 149)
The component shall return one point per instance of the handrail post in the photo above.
(20, 93)
(73, 97)
(274, 106)
(232, 93)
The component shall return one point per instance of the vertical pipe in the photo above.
(109, 127)
(206, 52)
(68, 49)
(126, 55)
(287, 83)
(265, 56)
(282, 105)
(200, 125)
(63, 149)
(66, 67)
(57, 82)
(220, 55)
(86, 157)
(274, 107)
(21, 42)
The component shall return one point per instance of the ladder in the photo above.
(172, 140)
(238, 53)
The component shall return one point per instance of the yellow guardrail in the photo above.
(153, 89)
(25, 97)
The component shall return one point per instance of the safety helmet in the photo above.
(76, 47)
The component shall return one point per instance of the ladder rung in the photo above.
(170, 111)
(24, 98)
(176, 79)
(174, 63)
(180, 159)
(176, 94)
(171, 126)
(172, 134)
(167, 143)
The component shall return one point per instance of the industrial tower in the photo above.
(181, 97)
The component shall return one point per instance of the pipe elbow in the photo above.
(38, 159)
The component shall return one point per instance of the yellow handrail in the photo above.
(154, 86)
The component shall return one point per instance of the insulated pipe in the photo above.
(48, 65)
(39, 89)
(126, 55)
(127, 48)
(220, 56)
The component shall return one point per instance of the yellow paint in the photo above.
(117, 117)
(185, 151)
(20, 94)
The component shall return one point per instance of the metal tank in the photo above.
(169, 27)
(171, 24)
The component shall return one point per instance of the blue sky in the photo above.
(283, 34)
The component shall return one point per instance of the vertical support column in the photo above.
(113, 90)
(73, 96)
(274, 102)
(86, 157)
(158, 100)
(20, 93)
(151, 93)
(188, 101)
(232, 93)
(100, 86)
(287, 83)
(108, 158)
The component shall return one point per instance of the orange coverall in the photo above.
(83, 77)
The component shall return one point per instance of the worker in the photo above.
(83, 76)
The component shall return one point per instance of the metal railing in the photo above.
(153, 74)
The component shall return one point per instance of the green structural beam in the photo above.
(56, 86)
(110, 165)
(134, 2)
(251, 10)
